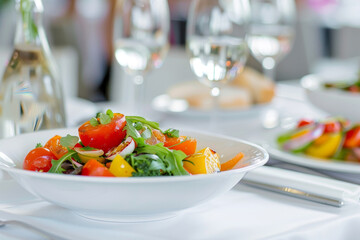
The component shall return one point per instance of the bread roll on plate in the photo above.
(247, 89)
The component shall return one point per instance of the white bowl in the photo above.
(130, 199)
(333, 101)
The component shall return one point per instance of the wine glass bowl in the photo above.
(141, 32)
(216, 45)
(271, 31)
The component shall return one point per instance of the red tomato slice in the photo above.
(188, 146)
(104, 136)
(39, 159)
(332, 127)
(304, 122)
(53, 144)
(94, 168)
(352, 138)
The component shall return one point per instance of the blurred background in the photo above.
(80, 34)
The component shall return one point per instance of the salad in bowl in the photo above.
(332, 138)
(114, 145)
(126, 168)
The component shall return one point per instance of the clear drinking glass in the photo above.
(141, 42)
(30, 90)
(271, 32)
(216, 44)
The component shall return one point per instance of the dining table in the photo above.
(245, 212)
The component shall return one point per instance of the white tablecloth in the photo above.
(242, 213)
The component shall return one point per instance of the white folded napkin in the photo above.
(286, 180)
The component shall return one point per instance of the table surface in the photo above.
(242, 213)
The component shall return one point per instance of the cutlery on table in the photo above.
(305, 186)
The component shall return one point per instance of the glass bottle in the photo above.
(30, 90)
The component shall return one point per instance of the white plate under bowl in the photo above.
(333, 101)
(277, 153)
(130, 199)
(165, 104)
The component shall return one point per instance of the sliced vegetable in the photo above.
(125, 148)
(232, 162)
(39, 159)
(182, 143)
(96, 169)
(204, 161)
(103, 136)
(325, 146)
(54, 145)
(121, 168)
(352, 138)
(300, 143)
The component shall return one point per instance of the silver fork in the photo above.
(32, 228)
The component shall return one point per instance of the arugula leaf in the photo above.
(69, 141)
(56, 164)
(146, 165)
(171, 132)
(172, 158)
(151, 124)
(87, 148)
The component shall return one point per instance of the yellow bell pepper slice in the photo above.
(325, 146)
(202, 162)
(120, 167)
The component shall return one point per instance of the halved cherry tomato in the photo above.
(332, 127)
(103, 136)
(187, 146)
(39, 159)
(94, 168)
(352, 138)
(304, 122)
(53, 144)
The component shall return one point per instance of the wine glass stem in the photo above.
(138, 96)
(214, 121)
(268, 66)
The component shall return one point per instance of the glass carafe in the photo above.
(30, 90)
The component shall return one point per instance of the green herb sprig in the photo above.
(29, 26)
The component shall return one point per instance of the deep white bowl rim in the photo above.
(134, 180)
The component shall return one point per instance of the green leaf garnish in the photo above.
(87, 148)
(56, 164)
(110, 113)
(69, 141)
(38, 145)
(29, 27)
(171, 132)
(94, 122)
(104, 118)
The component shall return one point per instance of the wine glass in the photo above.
(141, 43)
(271, 32)
(216, 43)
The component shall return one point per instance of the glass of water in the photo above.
(141, 33)
(216, 44)
(271, 32)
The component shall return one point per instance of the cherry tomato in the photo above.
(304, 122)
(103, 136)
(39, 159)
(332, 127)
(188, 146)
(352, 138)
(94, 168)
(53, 144)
